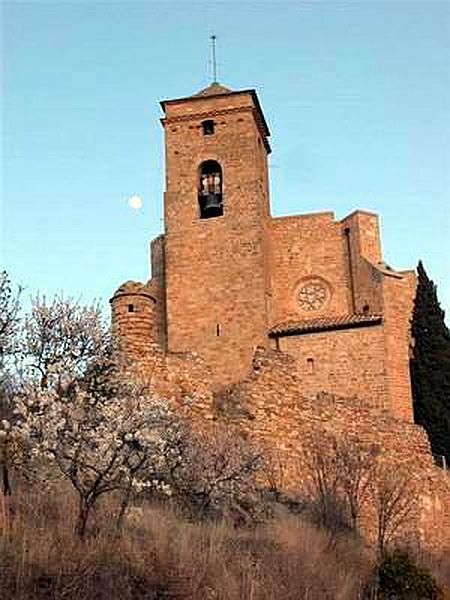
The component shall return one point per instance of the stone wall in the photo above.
(350, 362)
(270, 405)
(398, 298)
(363, 249)
(277, 405)
(317, 246)
(157, 285)
(183, 379)
(303, 247)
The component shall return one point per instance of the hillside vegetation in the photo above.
(161, 555)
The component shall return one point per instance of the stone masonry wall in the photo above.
(270, 406)
(362, 235)
(302, 247)
(398, 298)
(316, 245)
(158, 287)
(349, 362)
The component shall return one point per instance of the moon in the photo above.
(135, 202)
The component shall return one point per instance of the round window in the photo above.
(313, 294)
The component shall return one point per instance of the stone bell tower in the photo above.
(216, 210)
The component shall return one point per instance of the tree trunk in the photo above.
(6, 486)
(82, 519)
(6, 506)
(123, 507)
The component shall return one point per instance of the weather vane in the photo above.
(213, 55)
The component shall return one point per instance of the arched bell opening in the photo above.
(210, 189)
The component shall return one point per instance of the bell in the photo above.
(213, 204)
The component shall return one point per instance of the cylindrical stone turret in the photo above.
(133, 317)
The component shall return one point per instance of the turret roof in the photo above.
(133, 288)
(214, 89)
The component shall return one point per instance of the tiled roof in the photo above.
(324, 324)
(214, 89)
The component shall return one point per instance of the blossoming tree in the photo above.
(80, 412)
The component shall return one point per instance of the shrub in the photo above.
(400, 578)
(340, 472)
(214, 474)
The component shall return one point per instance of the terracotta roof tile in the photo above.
(324, 324)
(214, 89)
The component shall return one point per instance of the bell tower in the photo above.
(216, 213)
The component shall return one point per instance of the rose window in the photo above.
(313, 294)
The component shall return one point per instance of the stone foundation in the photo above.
(271, 407)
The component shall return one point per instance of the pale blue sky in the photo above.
(356, 94)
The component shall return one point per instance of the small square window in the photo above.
(131, 308)
(208, 127)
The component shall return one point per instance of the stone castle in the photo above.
(273, 323)
(227, 277)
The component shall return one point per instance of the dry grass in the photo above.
(440, 567)
(160, 556)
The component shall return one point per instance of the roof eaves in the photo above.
(194, 98)
(318, 325)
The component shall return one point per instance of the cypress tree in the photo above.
(430, 366)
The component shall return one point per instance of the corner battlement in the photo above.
(357, 212)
